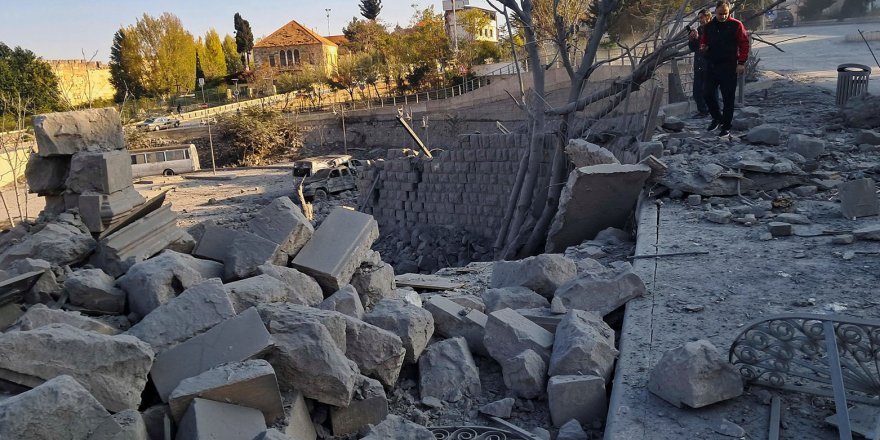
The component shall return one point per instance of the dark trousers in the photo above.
(723, 77)
(700, 88)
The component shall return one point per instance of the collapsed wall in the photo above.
(463, 189)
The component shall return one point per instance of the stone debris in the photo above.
(397, 427)
(571, 430)
(301, 288)
(40, 316)
(249, 383)
(113, 368)
(283, 223)
(253, 291)
(206, 419)
(138, 241)
(499, 408)
(60, 243)
(601, 292)
(94, 290)
(858, 198)
(779, 229)
(542, 274)
(576, 397)
(694, 375)
(346, 301)
(377, 352)
(516, 297)
(272, 434)
(124, 425)
(808, 147)
(57, 408)
(868, 233)
(447, 371)
(369, 406)
(525, 374)
(583, 153)
(374, 281)
(299, 422)
(508, 334)
(763, 134)
(583, 344)
(454, 320)
(67, 133)
(414, 325)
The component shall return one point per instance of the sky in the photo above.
(59, 29)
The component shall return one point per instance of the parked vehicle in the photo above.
(308, 167)
(158, 123)
(783, 18)
(329, 181)
(167, 161)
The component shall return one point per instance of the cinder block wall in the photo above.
(465, 187)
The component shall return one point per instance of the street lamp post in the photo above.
(208, 120)
(328, 20)
(344, 136)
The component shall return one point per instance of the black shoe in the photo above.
(724, 132)
(715, 123)
(699, 115)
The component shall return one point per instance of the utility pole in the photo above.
(328, 20)
(454, 30)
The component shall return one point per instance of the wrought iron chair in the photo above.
(827, 355)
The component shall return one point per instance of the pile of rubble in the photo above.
(124, 326)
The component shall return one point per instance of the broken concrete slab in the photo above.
(346, 301)
(337, 248)
(100, 212)
(368, 407)
(59, 243)
(858, 198)
(583, 153)
(247, 252)
(196, 310)
(67, 133)
(206, 419)
(377, 352)
(156, 281)
(250, 383)
(547, 318)
(763, 134)
(695, 375)
(601, 292)
(447, 371)
(213, 242)
(104, 172)
(299, 421)
(301, 288)
(543, 273)
(581, 398)
(46, 175)
(525, 374)
(508, 334)
(514, 297)
(397, 427)
(584, 344)
(414, 325)
(374, 282)
(611, 190)
(93, 289)
(283, 223)
(59, 408)
(808, 147)
(233, 340)
(499, 408)
(40, 316)
(113, 368)
(140, 240)
(285, 314)
(452, 320)
(253, 291)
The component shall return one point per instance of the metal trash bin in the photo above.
(852, 80)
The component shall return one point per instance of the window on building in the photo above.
(283, 59)
(290, 59)
(296, 56)
(272, 60)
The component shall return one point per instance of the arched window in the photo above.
(272, 60)
(296, 56)
(283, 59)
(292, 59)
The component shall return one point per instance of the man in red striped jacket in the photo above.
(725, 45)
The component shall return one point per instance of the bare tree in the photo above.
(15, 153)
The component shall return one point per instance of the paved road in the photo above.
(814, 58)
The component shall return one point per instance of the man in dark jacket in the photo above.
(699, 83)
(725, 44)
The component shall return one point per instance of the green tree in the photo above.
(27, 83)
(230, 52)
(167, 52)
(214, 60)
(363, 35)
(347, 74)
(125, 64)
(370, 8)
(244, 39)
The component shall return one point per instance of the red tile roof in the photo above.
(293, 34)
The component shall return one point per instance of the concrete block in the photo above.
(447, 371)
(247, 252)
(58, 408)
(396, 427)
(583, 153)
(101, 211)
(858, 198)
(40, 316)
(584, 344)
(515, 297)
(103, 172)
(94, 290)
(695, 375)
(577, 397)
(67, 133)
(779, 229)
(337, 248)
(452, 320)
(46, 175)
(283, 223)
(142, 239)
(601, 292)
(113, 368)
(374, 282)
(346, 301)
(253, 291)
(593, 199)
(249, 383)
(369, 407)
(808, 147)
(206, 419)
(414, 325)
(525, 374)
(377, 352)
(154, 282)
(543, 273)
(233, 340)
(299, 421)
(508, 334)
(289, 314)
(213, 242)
(301, 288)
(196, 310)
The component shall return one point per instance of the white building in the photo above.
(451, 11)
